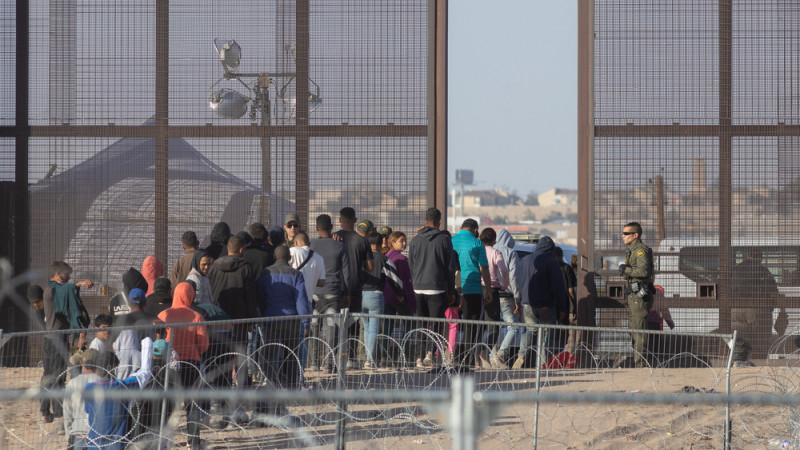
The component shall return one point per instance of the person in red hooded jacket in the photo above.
(190, 343)
(152, 269)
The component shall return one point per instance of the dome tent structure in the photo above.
(99, 215)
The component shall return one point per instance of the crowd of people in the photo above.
(282, 272)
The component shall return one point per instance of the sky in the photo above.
(512, 93)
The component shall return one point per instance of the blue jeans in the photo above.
(371, 303)
(535, 316)
(507, 306)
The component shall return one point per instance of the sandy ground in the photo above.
(408, 425)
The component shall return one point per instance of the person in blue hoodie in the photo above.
(108, 419)
(543, 295)
(281, 293)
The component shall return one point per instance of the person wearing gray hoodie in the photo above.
(543, 294)
(510, 302)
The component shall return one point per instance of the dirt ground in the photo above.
(409, 425)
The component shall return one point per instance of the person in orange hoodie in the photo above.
(190, 343)
(152, 269)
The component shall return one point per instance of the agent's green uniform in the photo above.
(640, 262)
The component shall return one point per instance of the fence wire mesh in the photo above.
(693, 117)
(261, 383)
(136, 130)
(278, 363)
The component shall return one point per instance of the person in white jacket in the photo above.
(76, 420)
(108, 419)
(201, 263)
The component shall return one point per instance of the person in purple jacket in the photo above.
(395, 305)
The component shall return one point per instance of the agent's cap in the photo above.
(292, 217)
(365, 226)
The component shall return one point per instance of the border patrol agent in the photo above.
(638, 272)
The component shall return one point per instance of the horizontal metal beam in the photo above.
(222, 131)
(694, 130)
(705, 303)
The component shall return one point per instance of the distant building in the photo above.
(557, 196)
(496, 197)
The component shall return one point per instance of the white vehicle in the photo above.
(689, 268)
(683, 264)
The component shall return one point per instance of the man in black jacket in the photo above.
(430, 254)
(233, 288)
(260, 254)
(543, 293)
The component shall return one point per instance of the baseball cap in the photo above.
(137, 296)
(365, 226)
(386, 230)
(35, 293)
(159, 347)
(292, 217)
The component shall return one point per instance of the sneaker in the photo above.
(240, 418)
(498, 363)
(221, 423)
(483, 357)
(428, 361)
(519, 363)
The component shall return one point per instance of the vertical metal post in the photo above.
(539, 351)
(302, 138)
(161, 187)
(21, 212)
(660, 225)
(166, 384)
(341, 364)
(586, 129)
(725, 160)
(266, 149)
(440, 61)
(728, 425)
(463, 417)
(436, 179)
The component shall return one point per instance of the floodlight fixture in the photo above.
(228, 104)
(290, 99)
(229, 54)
